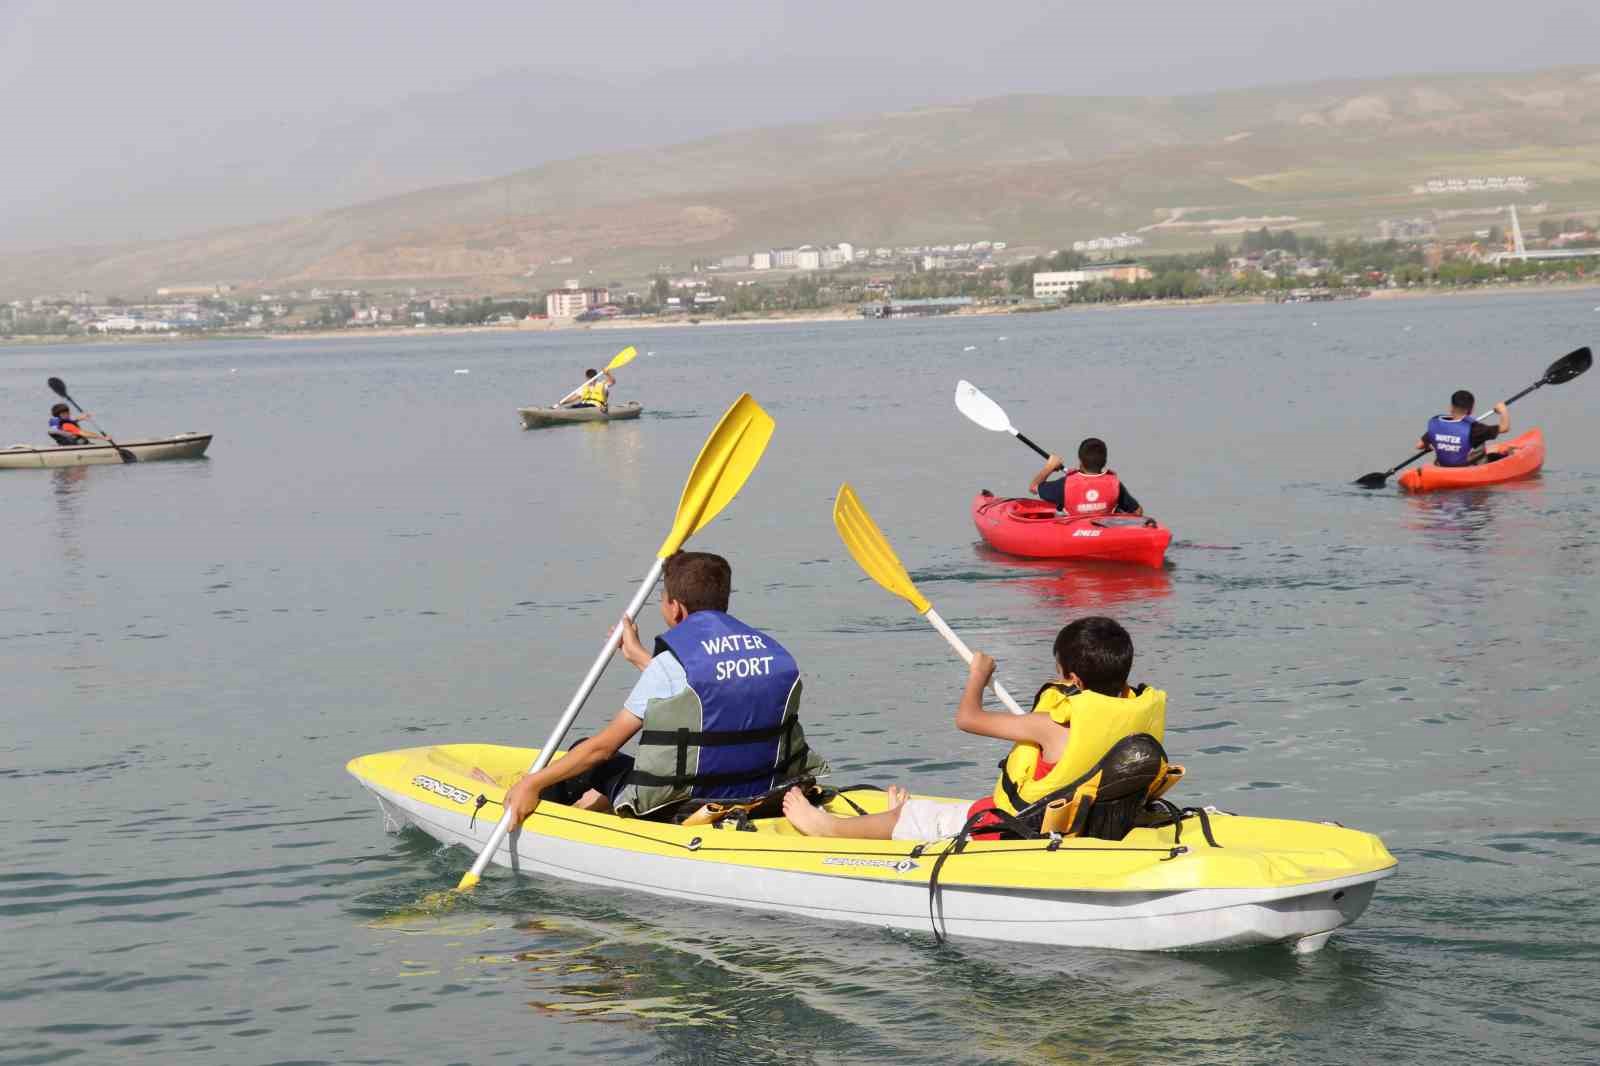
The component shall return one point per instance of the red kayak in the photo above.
(1037, 530)
(1519, 457)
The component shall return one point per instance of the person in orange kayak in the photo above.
(1456, 439)
(1090, 489)
(1076, 719)
(597, 393)
(65, 431)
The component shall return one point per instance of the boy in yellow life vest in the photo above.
(1076, 719)
(597, 393)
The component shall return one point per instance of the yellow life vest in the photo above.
(595, 394)
(1094, 723)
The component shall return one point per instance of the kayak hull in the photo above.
(540, 417)
(33, 457)
(1523, 457)
(1143, 893)
(1036, 530)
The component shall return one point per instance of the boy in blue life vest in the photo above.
(1454, 439)
(1091, 489)
(716, 709)
(1076, 719)
(595, 393)
(65, 431)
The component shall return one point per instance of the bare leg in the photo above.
(814, 822)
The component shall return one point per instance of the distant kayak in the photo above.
(1521, 457)
(32, 457)
(1035, 529)
(537, 417)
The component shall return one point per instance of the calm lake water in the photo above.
(375, 555)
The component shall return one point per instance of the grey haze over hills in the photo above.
(166, 119)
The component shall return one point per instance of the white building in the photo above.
(807, 257)
(760, 260)
(847, 251)
(784, 258)
(571, 301)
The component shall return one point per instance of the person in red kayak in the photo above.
(1456, 439)
(65, 431)
(1094, 656)
(1090, 489)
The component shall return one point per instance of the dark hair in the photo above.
(698, 580)
(591, 373)
(1092, 455)
(60, 409)
(1461, 400)
(1099, 651)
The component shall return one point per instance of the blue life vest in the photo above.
(1451, 439)
(735, 733)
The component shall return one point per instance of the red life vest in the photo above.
(1090, 494)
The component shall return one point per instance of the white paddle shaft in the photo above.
(559, 733)
(966, 653)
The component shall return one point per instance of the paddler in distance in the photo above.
(1076, 719)
(65, 431)
(1456, 439)
(1090, 489)
(597, 391)
(716, 709)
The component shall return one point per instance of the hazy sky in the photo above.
(158, 117)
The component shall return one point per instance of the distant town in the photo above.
(886, 282)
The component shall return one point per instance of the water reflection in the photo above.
(1480, 520)
(712, 984)
(1087, 584)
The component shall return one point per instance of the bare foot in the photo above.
(897, 797)
(804, 817)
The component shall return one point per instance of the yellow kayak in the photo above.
(1263, 880)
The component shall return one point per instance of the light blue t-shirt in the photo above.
(663, 679)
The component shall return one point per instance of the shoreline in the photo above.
(830, 316)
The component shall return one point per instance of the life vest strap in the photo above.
(684, 739)
(715, 738)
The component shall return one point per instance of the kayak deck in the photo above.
(149, 450)
(1519, 457)
(1035, 529)
(539, 417)
(1269, 880)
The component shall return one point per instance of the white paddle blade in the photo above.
(971, 401)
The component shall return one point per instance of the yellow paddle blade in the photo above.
(623, 358)
(871, 549)
(725, 463)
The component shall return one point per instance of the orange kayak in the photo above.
(1518, 457)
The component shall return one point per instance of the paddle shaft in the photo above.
(570, 715)
(1029, 443)
(966, 653)
(1481, 418)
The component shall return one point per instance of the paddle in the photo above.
(971, 401)
(873, 554)
(621, 359)
(724, 464)
(59, 387)
(1559, 372)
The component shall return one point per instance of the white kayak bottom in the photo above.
(537, 417)
(30, 456)
(1302, 916)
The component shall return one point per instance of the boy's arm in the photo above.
(522, 798)
(1017, 728)
(1051, 465)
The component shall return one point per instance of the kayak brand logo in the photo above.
(1085, 532)
(897, 865)
(1092, 495)
(439, 788)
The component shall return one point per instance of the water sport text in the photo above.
(749, 666)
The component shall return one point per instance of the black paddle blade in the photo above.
(1569, 366)
(1374, 480)
(59, 387)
